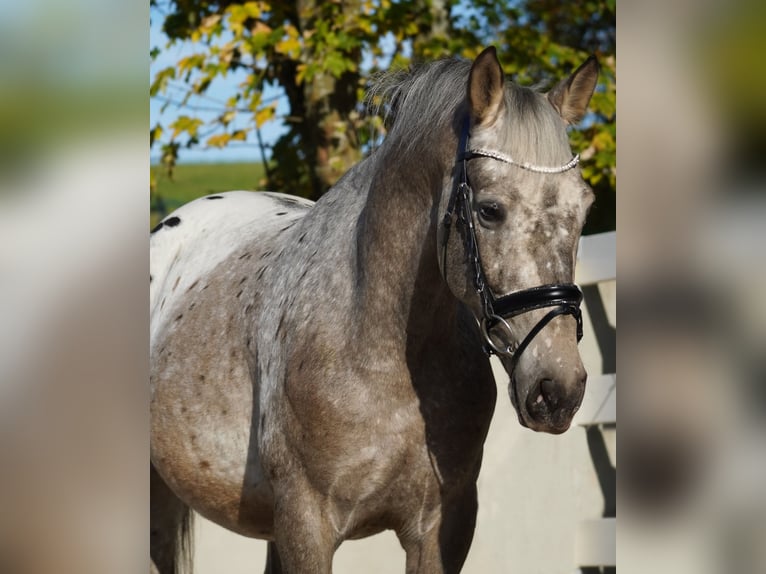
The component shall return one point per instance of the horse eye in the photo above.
(491, 212)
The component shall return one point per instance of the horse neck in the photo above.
(401, 290)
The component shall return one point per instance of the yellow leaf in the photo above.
(227, 53)
(301, 73)
(252, 9)
(289, 47)
(236, 13)
(228, 116)
(219, 140)
(237, 16)
(185, 124)
(190, 62)
(254, 102)
(260, 28)
(155, 134)
(263, 115)
(209, 23)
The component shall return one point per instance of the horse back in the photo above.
(191, 242)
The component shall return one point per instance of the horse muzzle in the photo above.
(550, 402)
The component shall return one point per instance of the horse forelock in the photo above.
(534, 132)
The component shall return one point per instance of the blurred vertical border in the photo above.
(691, 266)
(74, 182)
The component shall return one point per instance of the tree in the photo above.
(314, 52)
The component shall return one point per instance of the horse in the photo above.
(320, 372)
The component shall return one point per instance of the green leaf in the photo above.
(336, 64)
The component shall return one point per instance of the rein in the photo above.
(565, 298)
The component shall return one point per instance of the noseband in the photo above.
(564, 298)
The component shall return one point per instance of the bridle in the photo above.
(564, 298)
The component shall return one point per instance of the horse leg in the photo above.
(456, 532)
(273, 563)
(170, 523)
(444, 548)
(304, 542)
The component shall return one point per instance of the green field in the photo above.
(191, 181)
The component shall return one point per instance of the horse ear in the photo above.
(485, 87)
(571, 95)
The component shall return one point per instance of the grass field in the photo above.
(191, 181)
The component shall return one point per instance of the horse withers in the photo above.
(320, 372)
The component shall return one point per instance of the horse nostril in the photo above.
(550, 393)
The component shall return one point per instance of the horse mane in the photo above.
(418, 103)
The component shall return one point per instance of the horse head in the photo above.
(510, 220)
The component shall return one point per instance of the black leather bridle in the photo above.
(564, 298)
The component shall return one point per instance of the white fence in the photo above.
(542, 498)
(595, 538)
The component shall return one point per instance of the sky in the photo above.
(218, 92)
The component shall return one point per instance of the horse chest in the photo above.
(367, 442)
(375, 475)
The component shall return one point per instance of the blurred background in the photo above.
(692, 230)
(76, 189)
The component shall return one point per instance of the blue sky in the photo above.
(218, 92)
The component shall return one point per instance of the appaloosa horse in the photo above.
(320, 372)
